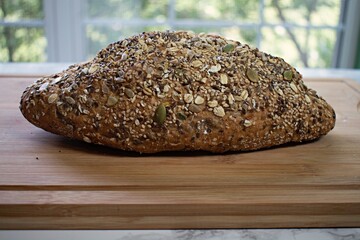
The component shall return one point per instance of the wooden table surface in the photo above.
(51, 182)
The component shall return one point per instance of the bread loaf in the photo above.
(167, 91)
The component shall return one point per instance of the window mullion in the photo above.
(64, 30)
(260, 24)
(347, 41)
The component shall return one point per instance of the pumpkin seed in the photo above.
(212, 103)
(112, 100)
(199, 100)
(307, 98)
(194, 108)
(129, 93)
(160, 114)
(219, 111)
(228, 48)
(181, 116)
(288, 75)
(252, 75)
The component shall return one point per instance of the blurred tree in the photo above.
(310, 47)
(308, 8)
(19, 43)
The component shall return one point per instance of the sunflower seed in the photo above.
(244, 94)
(166, 88)
(93, 68)
(307, 98)
(231, 99)
(52, 98)
(147, 91)
(86, 139)
(105, 89)
(223, 79)
(196, 63)
(124, 56)
(215, 69)
(212, 103)
(293, 87)
(279, 91)
(188, 98)
(194, 108)
(44, 86)
(247, 123)
(56, 80)
(70, 100)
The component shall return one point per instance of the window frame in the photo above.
(65, 25)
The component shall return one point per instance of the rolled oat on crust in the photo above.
(167, 91)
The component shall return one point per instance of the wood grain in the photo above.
(51, 182)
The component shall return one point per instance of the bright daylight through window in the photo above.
(306, 33)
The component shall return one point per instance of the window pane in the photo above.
(22, 44)
(276, 41)
(321, 48)
(99, 37)
(234, 10)
(306, 48)
(11, 10)
(303, 12)
(125, 9)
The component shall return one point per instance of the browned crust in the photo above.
(112, 99)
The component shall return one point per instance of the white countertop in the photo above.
(234, 234)
(247, 234)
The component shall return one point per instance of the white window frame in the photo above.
(65, 28)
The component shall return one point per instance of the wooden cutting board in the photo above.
(50, 182)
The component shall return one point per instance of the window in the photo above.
(307, 33)
(22, 37)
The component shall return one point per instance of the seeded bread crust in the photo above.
(167, 91)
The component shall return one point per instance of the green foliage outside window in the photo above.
(20, 44)
(300, 46)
